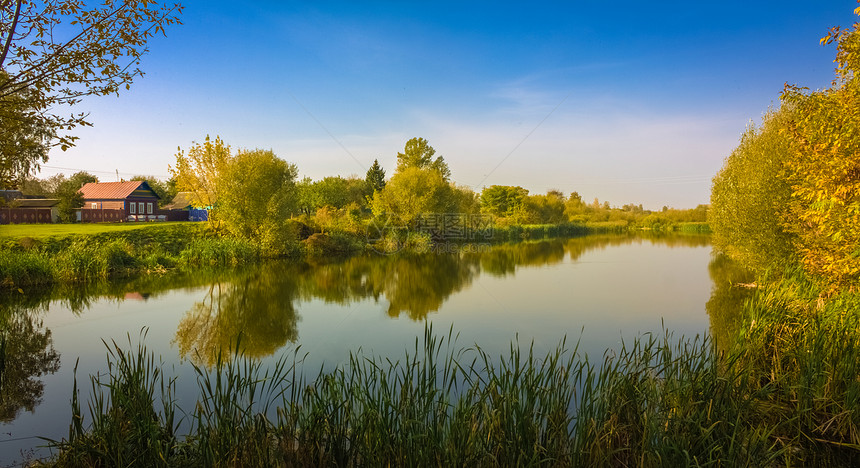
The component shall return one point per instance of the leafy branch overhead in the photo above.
(55, 52)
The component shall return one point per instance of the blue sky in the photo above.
(624, 101)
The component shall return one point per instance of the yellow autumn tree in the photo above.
(824, 169)
(199, 169)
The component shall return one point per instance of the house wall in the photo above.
(103, 205)
(124, 205)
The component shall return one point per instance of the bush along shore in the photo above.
(784, 394)
(27, 261)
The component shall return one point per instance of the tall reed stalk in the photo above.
(656, 401)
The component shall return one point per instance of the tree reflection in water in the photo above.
(27, 354)
(727, 299)
(259, 308)
(254, 311)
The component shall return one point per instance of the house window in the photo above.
(149, 208)
(132, 207)
(140, 208)
(94, 205)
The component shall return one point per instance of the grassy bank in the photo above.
(44, 231)
(83, 253)
(29, 261)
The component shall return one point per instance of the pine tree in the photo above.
(375, 177)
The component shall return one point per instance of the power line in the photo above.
(97, 171)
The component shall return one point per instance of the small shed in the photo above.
(187, 201)
(39, 204)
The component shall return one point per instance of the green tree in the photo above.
(334, 191)
(502, 200)
(543, 209)
(465, 200)
(413, 192)
(375, 177)
(71, 199)
(419, 154)
(749, 196)
(575, 208)
(257, 194)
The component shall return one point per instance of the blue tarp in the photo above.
(198, 215)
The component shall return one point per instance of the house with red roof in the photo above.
(119, 201)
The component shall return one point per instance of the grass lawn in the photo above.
(41, 231)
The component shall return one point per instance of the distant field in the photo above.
(37, 231)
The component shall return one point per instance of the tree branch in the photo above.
(11, 32)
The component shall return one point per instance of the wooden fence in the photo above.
(101, 215)
(25, 215)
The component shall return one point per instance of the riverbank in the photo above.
(83, 253)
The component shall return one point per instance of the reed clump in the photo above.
(657, 401)
(24, 268)
(219, 251)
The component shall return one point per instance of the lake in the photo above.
(597, 290)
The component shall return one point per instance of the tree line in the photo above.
(788, 196)
(252, 193)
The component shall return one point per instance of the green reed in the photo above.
(787, 394)
(2, 359)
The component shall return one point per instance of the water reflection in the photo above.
(727, 298)
(26, 354)
(259, 306)
(254, 311)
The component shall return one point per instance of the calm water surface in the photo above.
(596, 289)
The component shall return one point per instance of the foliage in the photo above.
(411, 193)
(375, 178)
(464, 200)
(257, 195)
(502, 200)
(749, 195)
(791, 190)
(541, 209)
(574, 206)
(199, 170)
(336, 192)
(824, 169)
(25, 136)
(70, 197)
(56, 52)
(419, 154)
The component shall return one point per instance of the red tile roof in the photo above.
(112, 190)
